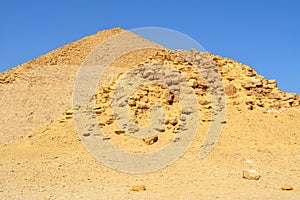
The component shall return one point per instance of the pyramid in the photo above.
(43, 155)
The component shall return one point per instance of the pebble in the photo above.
(251, 174)
(119, 132)
(138, 188)
(151, 140)
(287, 188)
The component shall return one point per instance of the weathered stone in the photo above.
(69, 112)
(251, 174)
(106, 89)
(143, 105)
(187, 110)
(144, 99)
(109, 121)
(86, 134)
(287, 188)
(250, 72)
(98, 111)
(250, 101)
(272, 84)
(230, 78)
(193, 83)
(259, 102)
(162, 129)
(235, 103)
(203, 102)
(230, 90)
(173, 121)
(138, 188)
(273, 96)
(131, 102)
(202, 84)
(248, 85)
(119, 132)
(151, 140)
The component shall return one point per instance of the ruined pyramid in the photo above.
(43, 157)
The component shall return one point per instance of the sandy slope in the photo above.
(52, 163)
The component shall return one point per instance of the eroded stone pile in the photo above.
(244, 89)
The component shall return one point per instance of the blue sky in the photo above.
(262, 34)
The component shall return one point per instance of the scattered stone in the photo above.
(131, 102)
(272, 84)
(203, 102)
(110, 121)
(273, 96)
(230, 90)
(119, 132)
(69, 114)
(86, 134)
(230, 78)
(193, 83)
(287, 188)
(143, 105)
(250, 72)
(173, 121)
(162, 129)
(138, 188)
(187, 110)
(151, 140)
(101, 124)
(251, 174)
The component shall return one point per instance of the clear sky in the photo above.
(262, 34)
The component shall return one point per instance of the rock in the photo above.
(248, 85)
(250, 72)
(287, 188)
(69, 114)
(86, 134)
(273, 96)
(119, 132)
(260, 103)
(178, 60)
(148, 73)
(151, 140)
(272, 84)
(98, 111)
(251, 174)
(187, 110)
(230, 78)
(138, 188)
(252, 83)
(143, 105)
(202, 84)
(162, 129)
(173, 121)
(131, 102)
(144, 99)
(110, 121)
(236, 103)
(106, 89)
(250, 101)
(170, 98)
(193, 83)
(203, 102)
(230, 90)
